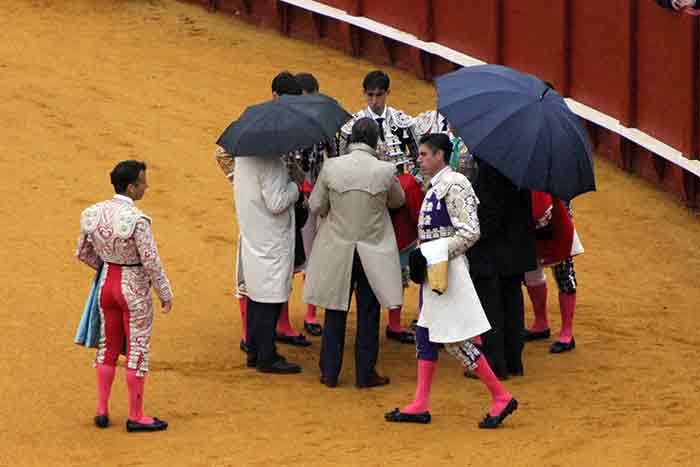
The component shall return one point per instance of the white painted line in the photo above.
(606, 121)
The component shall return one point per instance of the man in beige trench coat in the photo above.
(354, 250)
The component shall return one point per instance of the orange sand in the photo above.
(85, 84)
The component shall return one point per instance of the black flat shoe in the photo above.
(328, 381)
(529, 336)
(157, 425)
(297, 341)
(469, 374)
(280, 367)
(374, 381)
(561, 347)
(314, 329)
(398, 417)
(493, 421)
(244, 346)
(101, 421)
(404, 337)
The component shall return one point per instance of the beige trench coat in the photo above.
(351, 197)
(265, 198)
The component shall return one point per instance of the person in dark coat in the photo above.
(498, 263)
(688, 6)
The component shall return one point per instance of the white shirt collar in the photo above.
(123, 198)
(375, 116)
(436, 178)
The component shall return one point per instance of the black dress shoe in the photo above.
(280, 367)
(244, 346)
(101, 421)
(529, 336)
(373, 381)
(404, 337)
(328, 381)
(561, 347)
(157, 425)
(399, 417)
(297, 341)
(314, 329)
(493, 421)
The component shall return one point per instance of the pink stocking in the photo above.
(105, 378)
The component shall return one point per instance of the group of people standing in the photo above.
(355, 216)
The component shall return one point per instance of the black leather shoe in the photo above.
(493, 421)
(280, 367)
(398, 417)
(157, 425)
(297, 341)
(244, 346)
(101, 421)
(529, 336)
(374, 381)
(404, 337)
(314, 329)
(561, 347)
(328, 381)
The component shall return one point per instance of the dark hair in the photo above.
(376, 79)
(286, 83)
(125, 173)
(366, 131)
(308, 82)
(437, 142)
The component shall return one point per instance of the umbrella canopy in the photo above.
(520, 126)
(283, 125)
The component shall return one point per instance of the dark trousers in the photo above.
(261, 324)
(367, 334)
(502, 299)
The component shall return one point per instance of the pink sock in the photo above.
(135, 385)
(476, 340)
(426, 371)
(395, 319)
(283, 325)
(538, 295)
(567, 305)
(310, 314)
(105, 378)
(499, 395)
(243, 307)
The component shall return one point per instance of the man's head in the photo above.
(434, 153)
(129, 179)
(376, 87)
(366, 131)
(285, 83)
(308, 83)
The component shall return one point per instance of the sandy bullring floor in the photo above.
(85, 84)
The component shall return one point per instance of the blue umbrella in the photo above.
(520, 126)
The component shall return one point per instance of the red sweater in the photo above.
(405, 219)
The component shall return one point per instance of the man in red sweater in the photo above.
(405, 220)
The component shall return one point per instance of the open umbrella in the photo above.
(519, 125)
(283, 125)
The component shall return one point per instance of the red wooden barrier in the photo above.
(602, 36)
(413, 16)
(535, 39)
(475, 30)
(667, 77)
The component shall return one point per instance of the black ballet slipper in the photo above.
(157, 425)
(101, 421)
(396, 416)
(561, 347)
(493, 421)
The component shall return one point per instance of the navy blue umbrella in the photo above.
(283, 125)
(520, 126)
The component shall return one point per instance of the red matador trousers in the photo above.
(126, 311)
